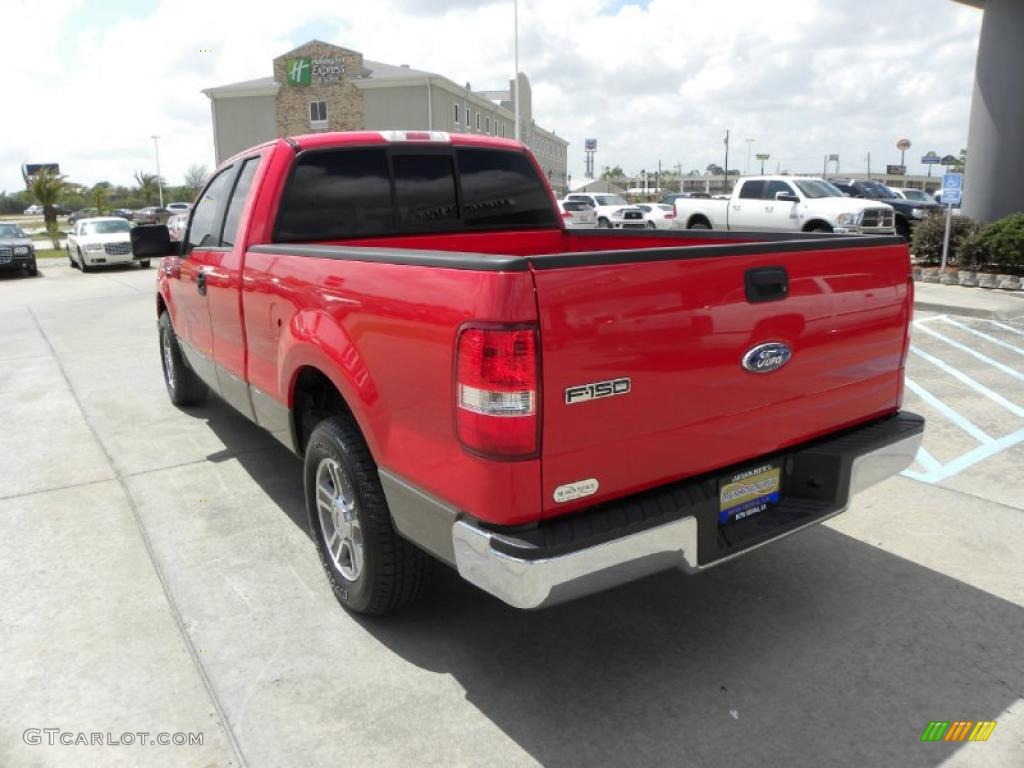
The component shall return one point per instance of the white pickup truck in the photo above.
(786, 204)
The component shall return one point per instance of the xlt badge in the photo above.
(583, 392)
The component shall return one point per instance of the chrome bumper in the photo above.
(536, 583)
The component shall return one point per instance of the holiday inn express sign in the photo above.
(316, 69)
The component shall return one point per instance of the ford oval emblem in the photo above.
(765, 358)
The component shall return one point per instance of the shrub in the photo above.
(1001, 242)
(926, 244)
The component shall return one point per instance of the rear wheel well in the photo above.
(314, 398)
(817, 225)
(698, 218)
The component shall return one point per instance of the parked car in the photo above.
(33, 210)
(671, 198)
(101, 241)
(473, 398)
(84, 213)
(787, 204)
(124, 213)
(577, 215)
(629, 217)
(16, 249)
(152, 215)
(659, 216)
(604, 205)
(914, 195)
(179, 207)
(176, 226)
(908, 212)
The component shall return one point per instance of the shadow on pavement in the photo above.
(817, 650)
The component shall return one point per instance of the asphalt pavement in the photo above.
(158, 577)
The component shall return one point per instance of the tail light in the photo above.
(496, 391)
(670, 215)
(566, 214)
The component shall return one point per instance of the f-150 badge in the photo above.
(765, 358)
(583, 392)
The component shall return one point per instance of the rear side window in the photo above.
(751, 190)
(238, 198)
(424, 190)
(501, 189)
(336, 194)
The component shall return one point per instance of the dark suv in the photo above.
(908, 212)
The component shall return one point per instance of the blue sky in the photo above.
(655, 80)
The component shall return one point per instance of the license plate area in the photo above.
(749, 492)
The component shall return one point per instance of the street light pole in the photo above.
(749, 142)
(159, 181)
(726, 169)
(515, 53)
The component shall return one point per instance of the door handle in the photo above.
(201, 283)
(769, 208)
(766, 284)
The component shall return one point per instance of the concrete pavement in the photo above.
(158, 577)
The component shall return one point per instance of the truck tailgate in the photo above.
(678, 329)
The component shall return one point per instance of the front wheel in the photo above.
(371, 569)
(33, 269)
(903, 229)
(81, 261)
(183, 385)
(144, 263)
(651, 225)
(603, 223)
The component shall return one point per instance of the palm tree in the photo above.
(46, 187)
(148, 185)
(99, 195)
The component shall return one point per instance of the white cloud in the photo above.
(657, 80)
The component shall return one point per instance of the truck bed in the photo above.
(666, 310)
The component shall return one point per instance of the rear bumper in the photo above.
(676, 526)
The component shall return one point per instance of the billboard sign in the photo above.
(896, 170)
(932, 158)
(590, 145)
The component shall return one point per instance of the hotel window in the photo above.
(456, 110)
(503, 130)
(469, 119)
(488, 125)
(318, 114)
(478, 121)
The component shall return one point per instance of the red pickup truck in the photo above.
(550, 411)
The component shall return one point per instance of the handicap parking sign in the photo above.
(952, 186)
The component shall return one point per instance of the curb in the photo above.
(984, 314)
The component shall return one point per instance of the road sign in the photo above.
(949, 160)
(932, 158)
(952, 186)
(903, 145)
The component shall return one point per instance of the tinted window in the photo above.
(336, 194)
(238, 198)
(424, 190)
(772, 188)
(502, 189)
(203, 232)
(751, 190)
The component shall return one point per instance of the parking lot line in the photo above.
(973, 353)
(1006, 327)
(985, 336)
(961, 421)
(969, 459)
(977, 386)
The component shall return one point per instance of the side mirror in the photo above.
(152, 241)
(786, 197)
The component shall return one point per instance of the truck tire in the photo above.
(903, 228)
(183, 385)
(604, 223)
(370, 568)
(81, 261)
(820, 226)
(699, 223)
(144, 263)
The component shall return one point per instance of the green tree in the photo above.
(99, 192)
(610, 173)
(195, 178)
(148, 186)
(46, 188)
